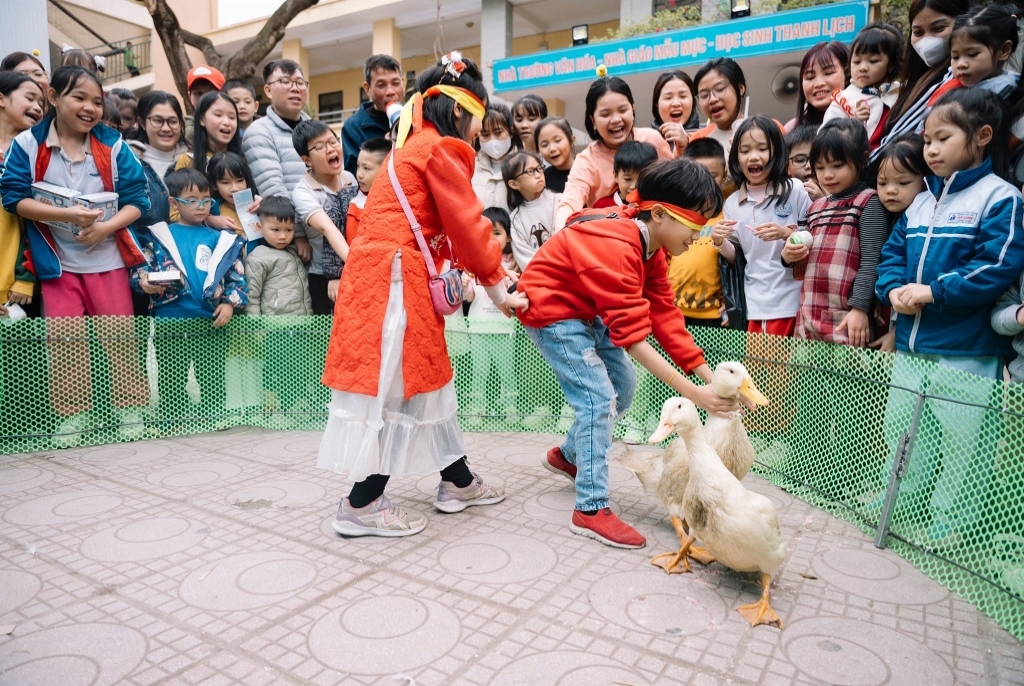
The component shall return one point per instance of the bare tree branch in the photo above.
(169, 31)
(205, 45)
(242, 65)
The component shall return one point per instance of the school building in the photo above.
(550, 47)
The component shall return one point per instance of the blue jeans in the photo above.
(599, 382)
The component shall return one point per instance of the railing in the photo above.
(117, 67)
(336, 117)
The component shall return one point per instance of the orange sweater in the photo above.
(597, 268)
(435, 174)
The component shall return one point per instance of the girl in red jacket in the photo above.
(393, 409)
(609, 273)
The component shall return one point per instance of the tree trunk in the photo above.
(241, 65)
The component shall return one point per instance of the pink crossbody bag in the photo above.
(445, 289)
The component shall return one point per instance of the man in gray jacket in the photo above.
(267, 144)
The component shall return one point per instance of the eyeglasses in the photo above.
(799, 160)
(320, 147)
(532, 171)
(160, 122)
(297, 84)
(718, 91)
(200, 204)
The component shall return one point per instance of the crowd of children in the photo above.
(884, 215)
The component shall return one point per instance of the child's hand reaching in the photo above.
(222, 315)
(255, 206)
(863, 111)
(221, 223)
(770, 231)
(857, 327)
(813, 190)
(149, 288)
(886, 343)
(795, 252)
(514, 302)
(721, 231)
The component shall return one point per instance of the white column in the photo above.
(634, 11)
(495, 36)
(24, 28)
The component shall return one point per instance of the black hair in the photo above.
(231, 164)
(969, 109)
(121, 95)
(201, 140)
(145, 106)
(680, 182)
(511, 168)
(705, 149)
(560, 122)
(598, 89)
(532, 105)
(11, 62)
(380, 63)
(841, 144)
(498, 112)
(821, 55)
(287, 67)
(277, 207)
(180, 180)
(232, 84)
(306, 131)
(11, 81)
(79, 58)
(693, 121)
(801, 135)
(917, 77)
(497, 215)
(67, 78)
(634, 156)
(733, 73)
(439, 110)
(778, 156)
(376, 146)
(907, 151)
(992, 26)
(111, 113)
(881, 38)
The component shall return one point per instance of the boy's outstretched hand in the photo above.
(770, 231)
(222, 315)
(513, 302)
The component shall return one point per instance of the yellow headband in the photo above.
(411, 119)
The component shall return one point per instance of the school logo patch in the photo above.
(203, 255)
(784, 210)
(962, 219)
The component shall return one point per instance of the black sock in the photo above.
(458, 473)
(589, 513)
(369, 489)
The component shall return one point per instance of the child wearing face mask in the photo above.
(495, 142)
(873, 86)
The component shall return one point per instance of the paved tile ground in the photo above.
(211, 559)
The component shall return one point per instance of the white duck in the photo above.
(726, 434)
(740, 528)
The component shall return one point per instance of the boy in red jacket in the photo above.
(597, 289)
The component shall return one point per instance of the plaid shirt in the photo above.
(832, 266)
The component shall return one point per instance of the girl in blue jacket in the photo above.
(83, 272)
(955, 251)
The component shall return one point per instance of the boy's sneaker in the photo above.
(453, 499)
(556, 463)
(69, 433)
(606, 527)
(379, 518)
(133, 423)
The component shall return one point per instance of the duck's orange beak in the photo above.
(663, 431)
(749, 391)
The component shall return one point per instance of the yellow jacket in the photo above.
(13, 275)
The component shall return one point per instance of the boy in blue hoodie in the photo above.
(210, 284)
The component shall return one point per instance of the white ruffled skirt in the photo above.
(387, 434)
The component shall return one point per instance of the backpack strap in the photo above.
(592, 217)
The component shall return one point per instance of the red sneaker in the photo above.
(606, 527)
(556, 462)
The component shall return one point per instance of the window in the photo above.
(331, 102)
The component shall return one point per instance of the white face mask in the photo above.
(932, 50)
(496, 148)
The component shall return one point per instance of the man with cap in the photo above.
(384, 84)
(201, 80)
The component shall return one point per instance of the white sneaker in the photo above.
(565, 420)
(69, 433)
(479, 492)
(379, 518)
(133, 423)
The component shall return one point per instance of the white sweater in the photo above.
(533, 223)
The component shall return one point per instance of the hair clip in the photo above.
(453, 64)
(35, 51)
(602, 71)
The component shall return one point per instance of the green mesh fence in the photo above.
(934, 454)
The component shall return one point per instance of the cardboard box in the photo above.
(58, 196)
(166, 276)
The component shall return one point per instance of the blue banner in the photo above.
(767, 34)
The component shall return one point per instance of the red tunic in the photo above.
(435, 174)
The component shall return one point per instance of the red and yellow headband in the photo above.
(691, 219)
(411, 119)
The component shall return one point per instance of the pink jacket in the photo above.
(593, 176)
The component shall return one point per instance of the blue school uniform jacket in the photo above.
(26, 162)
(964, 238)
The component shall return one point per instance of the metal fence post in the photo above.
(904, 449)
